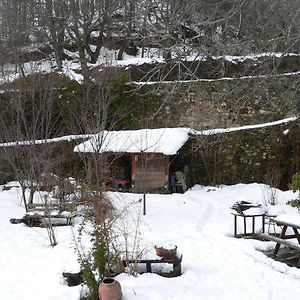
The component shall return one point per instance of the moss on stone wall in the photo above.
(220, 103)
(214, 68)
(247, 156)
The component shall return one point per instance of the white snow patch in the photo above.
(246, 127)
(215, 265)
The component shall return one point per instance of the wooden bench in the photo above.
(176, 262)
(52, 212)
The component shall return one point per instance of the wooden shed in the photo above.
(141, 158)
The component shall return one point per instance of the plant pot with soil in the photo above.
(110, 289)
(166, 253)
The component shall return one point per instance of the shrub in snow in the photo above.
(97, 244)
(295, 183)
(295, 186)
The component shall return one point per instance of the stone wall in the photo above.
(215, 67)
(259, 155)
(270, 155)
(221, 103)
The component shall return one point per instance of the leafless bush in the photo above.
(272, 180)
(107, 240)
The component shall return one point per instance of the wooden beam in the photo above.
(279, 241)
(166, 161)
(89, 168)
(133, 168)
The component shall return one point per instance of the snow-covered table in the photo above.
(295, 226)
(290, 224)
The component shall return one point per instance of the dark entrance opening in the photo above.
(179, 174)
(121, 173)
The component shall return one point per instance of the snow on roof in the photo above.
(163, 140)
(169, 135)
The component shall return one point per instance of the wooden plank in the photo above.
(133, 167)
(282, 236)
(283, 223)
(50, 206)
(52, 211)
(235, 225)
(297, 234)
(278, 240)
(176, 262)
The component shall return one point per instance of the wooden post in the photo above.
(144, 203)
(297, 234)
(133, 170)
(89, 168)
(166, 161)
(235, 225)
(282, 236)
(177, 267)
(148, 267)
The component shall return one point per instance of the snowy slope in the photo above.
(108, 57)
(215, 265)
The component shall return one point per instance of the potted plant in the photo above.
(166, 253)
(110, 289)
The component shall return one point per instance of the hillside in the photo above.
(226, 70)
(75, 36)
(77, 67)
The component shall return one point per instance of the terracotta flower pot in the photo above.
(110, 289)
(159, 251)
(166, 253)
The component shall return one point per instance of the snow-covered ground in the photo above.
(215, 264)
(108, 57)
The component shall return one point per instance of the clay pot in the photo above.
(110, 289)
(165, 253)
(159, 251)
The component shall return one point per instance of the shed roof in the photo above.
(162, 140)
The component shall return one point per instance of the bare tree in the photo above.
(31, 118)
(55, 16)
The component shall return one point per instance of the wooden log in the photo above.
(278, 240)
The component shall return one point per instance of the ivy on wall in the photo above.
(247, 156)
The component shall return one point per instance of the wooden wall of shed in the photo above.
(150, 172)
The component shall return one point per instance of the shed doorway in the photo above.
(121, 176)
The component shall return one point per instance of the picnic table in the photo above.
(286, 226)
